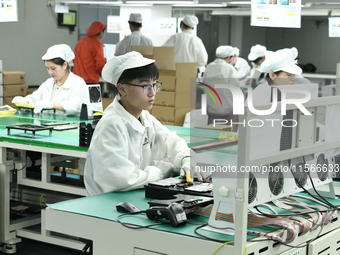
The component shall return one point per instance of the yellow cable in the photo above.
(225, 244)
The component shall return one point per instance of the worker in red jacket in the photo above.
(89, 52)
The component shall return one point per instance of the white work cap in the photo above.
(295, 52)
(281, 60)
(224, 51)
(190, 20)
(59, 51)
(256, 51)
(114, 68)
(236, 51)
(135, 17)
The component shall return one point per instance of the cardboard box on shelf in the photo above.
(172, 99)
(182, 70)
(170, 115)
(13, 77)
(7, 101)
(13, 90)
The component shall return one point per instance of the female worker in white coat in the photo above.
(61, 91)
(221, 72)
(128, 145)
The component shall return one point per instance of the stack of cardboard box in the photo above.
(13, 84)
(173, 101)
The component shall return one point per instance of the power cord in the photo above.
(128, 225)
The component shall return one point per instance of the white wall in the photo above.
(23, 43)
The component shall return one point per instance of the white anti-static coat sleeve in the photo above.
(112, 163)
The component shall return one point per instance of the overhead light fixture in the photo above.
(118, 3)
(240, 2)
(160, 2)
(200, 5)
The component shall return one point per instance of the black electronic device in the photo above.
(86, 131)
(188, 202)
(167, 188)
(68, 19)
(127, 207)
(173, 212)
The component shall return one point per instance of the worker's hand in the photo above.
(189, 171)
(19, 99)
(42, 105)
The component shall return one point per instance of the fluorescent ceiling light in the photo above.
(89, 2)
(241, 2)
(159, 2)
(200, 5)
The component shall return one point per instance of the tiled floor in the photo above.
(31, 247)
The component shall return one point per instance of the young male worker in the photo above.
(129, 145)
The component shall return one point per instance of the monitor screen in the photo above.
(67, 19)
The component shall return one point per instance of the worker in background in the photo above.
(61, 91)
(241, 65)
(257, 55)
(89, 51)
(299, 79)
(128, 146)
(136, 38)
(188, 47)
(281, 70)
(221, 72)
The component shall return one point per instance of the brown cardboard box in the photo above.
(144, 50)
(165, 64)
(13, 90)
(172, 99)
(183, 70)
(13, 77)
(164, 53)
(168, 83)
(106, 102)
(170, 115)
(7, 101)
(179, 85)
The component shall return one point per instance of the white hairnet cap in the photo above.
(236, 51)
(281, 60)
(135, 17)
(224, 51)
(190, 20)
(256, 51)
(59, 51)
(114, 68)
(295, 52)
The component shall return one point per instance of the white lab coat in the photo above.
(67, 95)
(188, 48)
(220, 72)
(242, 67)
(123, 153)
(135, 39)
